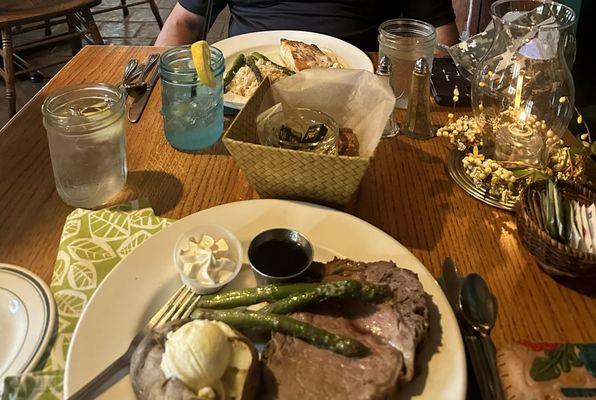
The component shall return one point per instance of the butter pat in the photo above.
(206, 260)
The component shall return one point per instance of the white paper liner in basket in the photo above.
(355, 99)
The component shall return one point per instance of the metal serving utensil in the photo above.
(137, 89)
(453, 285)
(138, 105)
(479, 310)
(179, 306)
(129, 71)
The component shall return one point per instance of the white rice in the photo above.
(245, 83)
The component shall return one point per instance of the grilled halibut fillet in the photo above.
(298, 56)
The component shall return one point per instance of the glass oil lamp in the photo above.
(519, 142)
(523, 89)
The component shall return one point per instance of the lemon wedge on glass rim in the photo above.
(201, 57)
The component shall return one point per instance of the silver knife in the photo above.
(472, 342)
(452, 284)
(138, 105)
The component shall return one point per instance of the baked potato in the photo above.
(150, 382)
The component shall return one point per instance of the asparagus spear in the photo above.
(342, 289)
(250, 61)
(239, 62)
(372, 293)
(246, 297)
(288, 326)
(285, 70)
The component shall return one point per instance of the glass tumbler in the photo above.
(192, 112)
(404, 41)
(86, 136)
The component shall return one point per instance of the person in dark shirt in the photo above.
(355, 21)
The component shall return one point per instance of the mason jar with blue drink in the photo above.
(192, 111)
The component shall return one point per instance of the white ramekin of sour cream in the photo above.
(207, 258)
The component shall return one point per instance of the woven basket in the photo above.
(555, 257)
(290, 174)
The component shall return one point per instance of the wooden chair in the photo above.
(124, 7)
(18, 16)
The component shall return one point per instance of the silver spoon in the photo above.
(479, 310)
(136, 89)
(129, 71)
(453, 284)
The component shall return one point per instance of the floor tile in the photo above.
(148, 30)
(142, 15)
(166, 3)
(114, 16)
(119, 29)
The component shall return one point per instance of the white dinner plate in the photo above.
(27, 318)
(267, 43)
(142, 282)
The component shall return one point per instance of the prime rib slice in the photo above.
(294, 369)
(392, 330)
(401, 320)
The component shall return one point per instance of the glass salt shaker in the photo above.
(384, 70)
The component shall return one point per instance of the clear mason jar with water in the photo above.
(86, 136)
(404, 41)
(192, 112)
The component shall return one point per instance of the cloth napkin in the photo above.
(92, 243)
(553, 371)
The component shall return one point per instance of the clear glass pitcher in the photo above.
(523, 91)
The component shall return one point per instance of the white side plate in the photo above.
(27, 318)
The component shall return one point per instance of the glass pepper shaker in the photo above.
(417, 124)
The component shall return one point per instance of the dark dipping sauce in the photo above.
(279, 258)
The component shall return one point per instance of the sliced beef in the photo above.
(294, 369)
(392, 330)
(401, 320)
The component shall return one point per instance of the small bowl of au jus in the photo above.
(279, 256)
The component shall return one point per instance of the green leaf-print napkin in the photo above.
(92, 243)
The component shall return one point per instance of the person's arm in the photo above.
(440, 14)
(181, 27)
(448, 34)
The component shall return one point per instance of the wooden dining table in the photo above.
(407, 192)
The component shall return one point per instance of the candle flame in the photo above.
(518, 90)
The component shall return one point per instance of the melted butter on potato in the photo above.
(209, 358)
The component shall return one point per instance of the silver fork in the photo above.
(179, 306)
